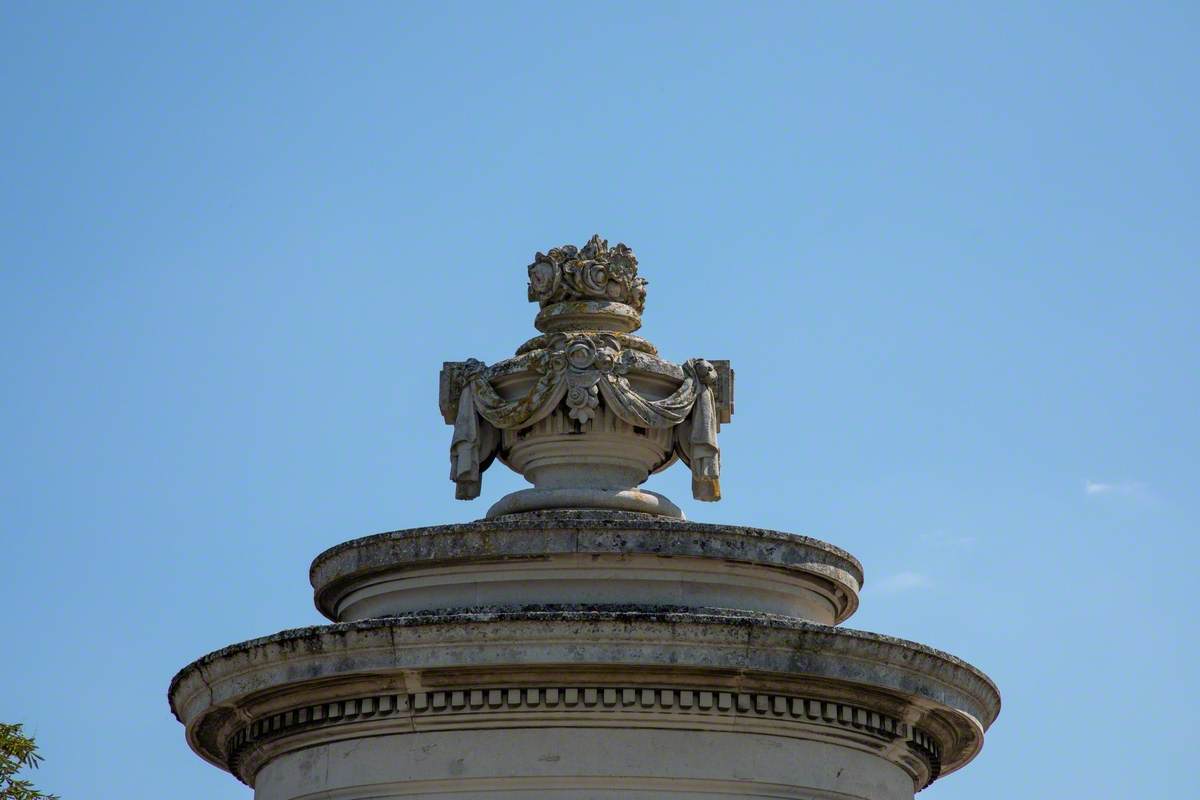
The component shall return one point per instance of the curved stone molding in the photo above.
(626, 707)
(627, 341)
(637, 501)
(947, 700)
(612, 443)
(576, 558)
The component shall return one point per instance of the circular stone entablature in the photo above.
(591, 559)
(732, 677)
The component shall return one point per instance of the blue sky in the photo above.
(951, 249)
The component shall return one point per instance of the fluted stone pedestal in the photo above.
(584, 655)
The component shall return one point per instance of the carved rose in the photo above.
(638, 300)
(544, 279)
(595, 271)
(549, 361)
(581, 355)
(582, 400)
(594, 279)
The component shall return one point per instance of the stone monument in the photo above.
(584, 640)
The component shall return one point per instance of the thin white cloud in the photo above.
(904, 582)
(1135, 489)
(946, 540)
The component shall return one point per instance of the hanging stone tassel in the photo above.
(705, 455)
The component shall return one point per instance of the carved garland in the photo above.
(615, 699)
(582, 369)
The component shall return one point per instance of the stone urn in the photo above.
(587, 410)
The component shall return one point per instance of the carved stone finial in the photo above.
(590, 288)
(586, 411)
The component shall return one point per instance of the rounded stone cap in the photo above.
(906, 694)
(634, 500)
(590, 315)
(596, 558)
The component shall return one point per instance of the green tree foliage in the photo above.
(18, 752)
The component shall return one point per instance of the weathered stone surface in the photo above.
(585, 641)
(602, 763)
(593, 272)
(587, 558)
(636, 531)
(919, 692)
(586, 406)
(557, 498)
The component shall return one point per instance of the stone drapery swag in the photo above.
(690, 410)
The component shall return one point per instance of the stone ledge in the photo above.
(541, 534)
(921, 686)
(609, 521)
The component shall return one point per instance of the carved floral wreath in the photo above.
(594, 272)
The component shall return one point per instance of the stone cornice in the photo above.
(910, 682)
(629, 532)
(625, 707)
(542, 536)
